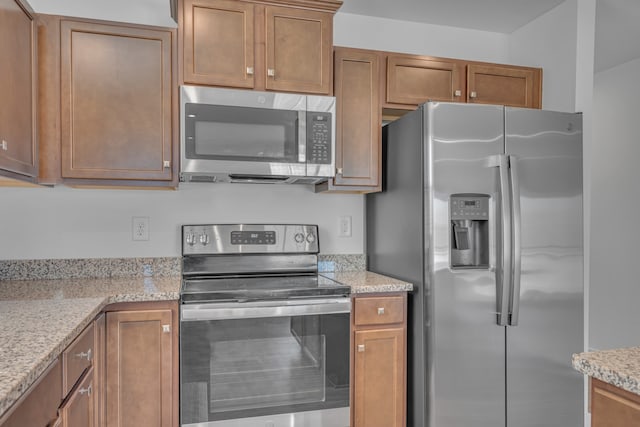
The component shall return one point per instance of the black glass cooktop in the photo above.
(197, 290)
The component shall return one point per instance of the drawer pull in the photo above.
(271, 72)
(360, 348)
(83, 355)
(87, 390)
(166, 328)
(5, 145)
(380, 311)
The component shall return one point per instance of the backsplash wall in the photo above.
(61, 222)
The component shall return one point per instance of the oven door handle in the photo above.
(259, 309)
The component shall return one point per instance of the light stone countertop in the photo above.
(40, 318)
(618, 367)
(368, 282)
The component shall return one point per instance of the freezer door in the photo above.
(465, 345)
(542, 388)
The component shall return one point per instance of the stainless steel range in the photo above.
(264, 339)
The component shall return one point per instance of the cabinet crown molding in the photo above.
(320, 5)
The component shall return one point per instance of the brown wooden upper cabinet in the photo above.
(18, 141)
(358, 133)
(111, 87)
(245, 44)
(413, 79)
(505, 85)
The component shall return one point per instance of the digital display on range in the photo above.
(253, 237)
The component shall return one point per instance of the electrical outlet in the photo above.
(140, 228)
(344, 226)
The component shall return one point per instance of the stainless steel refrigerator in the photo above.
(482, 210)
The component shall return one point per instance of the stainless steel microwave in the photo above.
(232, 135)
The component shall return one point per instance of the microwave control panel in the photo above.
(319, 138)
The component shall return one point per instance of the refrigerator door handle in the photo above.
(504, 269)
(514, 304)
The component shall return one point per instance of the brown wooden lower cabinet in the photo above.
(613, 407)
(379, 330)
(39, 405)
(141, 366)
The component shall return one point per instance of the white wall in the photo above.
(73, 223)
(149, 12)
(79, 223)
(550, 42)
(367, 32)
(615, 288)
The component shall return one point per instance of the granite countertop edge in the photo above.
(618, 367)
(361, 282)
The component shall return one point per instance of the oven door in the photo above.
(242, 132)
(268, 363)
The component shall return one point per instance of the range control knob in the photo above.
(204, 239)
(190, 238)
(311, 237)
(299, 237)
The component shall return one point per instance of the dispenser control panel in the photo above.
(469, 207)
(469, 238)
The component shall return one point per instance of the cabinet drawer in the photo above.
(378, 310)
(77, 358)
(78, 409)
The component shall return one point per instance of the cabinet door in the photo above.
(379, 386)
(218, 43)
(18, 154)
(116, 102)
(78, 409)
(503, 85)
(139, 368)
(298, 46)
(358, 123)
(413, 80)
(612, 406)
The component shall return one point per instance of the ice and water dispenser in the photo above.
(469, 247)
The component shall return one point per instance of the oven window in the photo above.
(244, 368)
(215, 132)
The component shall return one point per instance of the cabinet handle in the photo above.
(473, 94)
(82, 355)
(380, 311)
(166, 164)
(5, 145)
(360, 348)
(166, 328)
(250, 71)
(87, 390)
(457, 93)
(271, 72)
(339, 171)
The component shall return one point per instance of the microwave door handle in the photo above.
(302, 137)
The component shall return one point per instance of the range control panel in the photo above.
(212, 239)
